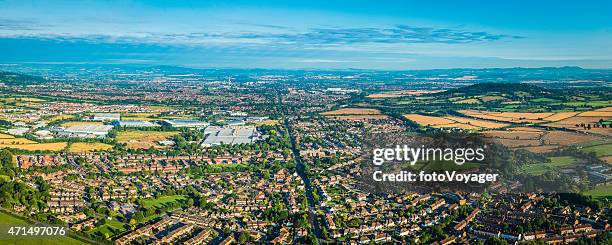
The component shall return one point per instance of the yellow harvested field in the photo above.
(571, 123)
(521, 135)
(478, 123)
(540, 149)
(609, 108)
(491, 98)
(428, 120)
(566, 138)
(22, 99)
(268, 122)
(516, 117)
(6, 136)
(560, 116)
(16, 141)
(558, 119)
(523, 115)
(136, 139)
(453, 122)
(87, 147)
(70, 124)
(58, 146)
(361, 117)
(527, 129)
(512, 143)
(61, 117)
(602, 131)
(353, 111)
(468, 101)
(142, 116)
(596, 114)
(607, 159)
(455, 125)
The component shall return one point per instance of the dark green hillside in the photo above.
(11, 78)
(503, 88)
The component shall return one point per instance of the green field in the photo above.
(159, 202)
(6, 219)
(593, 143)
(536, 169)
(554, 164)
(600, 150)
(112, 227)
(544, 100)
(600, 192)
(600, 103)
(561, 161)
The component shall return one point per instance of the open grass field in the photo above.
(535, 169)
(57, 146)
(112, 228)
(159, 202)
(353, 111)
(70, 124)
(593, 103)
(555, 164)
(79, 147)
(600, 150)
(137, 139)
(6, 219)
(600, 192)
(562, 161)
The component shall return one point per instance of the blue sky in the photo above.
(318, 34)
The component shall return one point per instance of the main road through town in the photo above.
(301, 170)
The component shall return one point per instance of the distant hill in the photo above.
(506, 88)
(11, 78)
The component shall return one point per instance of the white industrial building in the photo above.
(229, 135)
(189, 123)
(86, 131)
(106, 117)
(134, 123)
